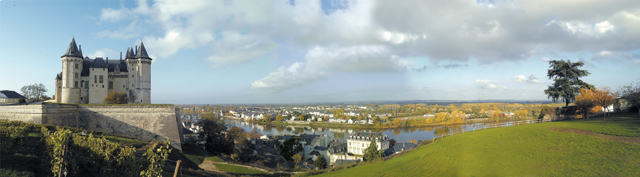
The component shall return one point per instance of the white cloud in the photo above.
(234, 47)
(377, 36)
(368, 58)
(199, 23)
(287, 77)
(523, 79)
(580, 27)
(487, 84)
(605, 52)
(397, 37)
(507, 30)
(607, 56)
(321, 61)
(105, 52)
(127, 32)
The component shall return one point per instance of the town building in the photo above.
(10, 97)
(85, 80)
(359, 141)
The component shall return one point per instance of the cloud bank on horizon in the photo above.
(382, 36)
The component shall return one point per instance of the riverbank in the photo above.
(365, 126)
(566, 148)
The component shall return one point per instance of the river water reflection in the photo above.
(399, 134)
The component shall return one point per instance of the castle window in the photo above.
(75, 84)
(75, 75)
(101, 79)
(76, 65)
(110, 85)
(95, 79)
(102, 86)
(86, 85)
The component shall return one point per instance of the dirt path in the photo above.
(625, 139)
(208, 165)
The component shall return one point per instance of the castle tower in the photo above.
(58, 87)
(139, 65)
(71, 69)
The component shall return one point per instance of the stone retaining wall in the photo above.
(147, 122)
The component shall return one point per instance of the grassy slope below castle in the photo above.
(569, 148)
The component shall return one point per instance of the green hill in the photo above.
(569, 148)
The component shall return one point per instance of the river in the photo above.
(399, 134)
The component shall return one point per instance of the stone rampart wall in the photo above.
(147, 122)
(30, 113)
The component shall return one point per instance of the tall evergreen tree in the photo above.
(566, 76)
(320, 162)
(372, 153)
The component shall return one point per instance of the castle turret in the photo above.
(139, 65)
(58, 87)
(71, 69)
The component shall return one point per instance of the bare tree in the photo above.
(33, 92)
(631, 93)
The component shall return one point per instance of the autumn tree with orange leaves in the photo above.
(585, 101)
(604, 97)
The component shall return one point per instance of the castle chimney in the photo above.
(120, 55)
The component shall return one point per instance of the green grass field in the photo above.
(526, 150)
(216, 159)
(239, 170)
(193, 153)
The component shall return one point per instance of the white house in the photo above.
(359, 141)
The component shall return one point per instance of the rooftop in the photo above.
(10, 94)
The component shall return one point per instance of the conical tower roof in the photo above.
(128, 55)
(142, 52)
(72, 51)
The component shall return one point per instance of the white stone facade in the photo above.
(358, 142)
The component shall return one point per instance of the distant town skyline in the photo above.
(262, 52)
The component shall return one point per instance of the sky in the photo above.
(261, 52)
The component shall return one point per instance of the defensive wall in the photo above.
(147, 122)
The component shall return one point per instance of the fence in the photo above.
(484, 126)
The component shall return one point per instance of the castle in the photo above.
(88, 81)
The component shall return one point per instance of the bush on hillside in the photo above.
(320, 162)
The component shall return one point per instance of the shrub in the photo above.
(320, 162)
(116, 98)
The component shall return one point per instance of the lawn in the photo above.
(526, 150)
(193, 153)
(216, 159)
(239, 170)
